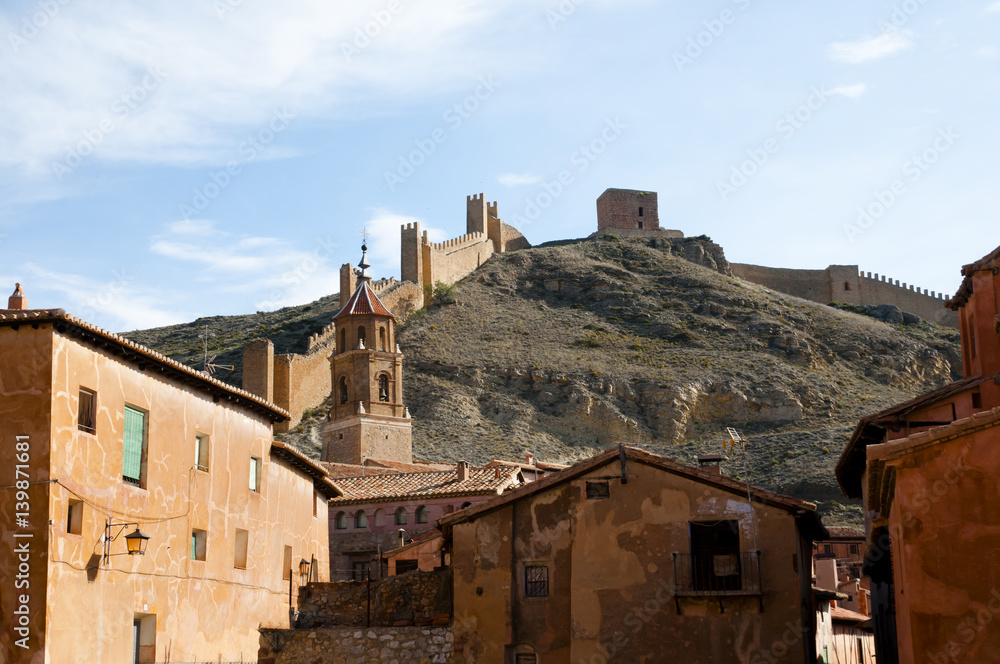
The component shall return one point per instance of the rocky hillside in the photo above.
(565, 350)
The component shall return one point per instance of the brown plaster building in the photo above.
(633, 557)
(927, 471)
(106, 442)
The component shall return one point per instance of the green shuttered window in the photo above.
(135, 437)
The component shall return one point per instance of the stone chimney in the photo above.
(710, 462)
(497, 473)
(463, 471)
(258, 368)
(18, 300)
(529, 459)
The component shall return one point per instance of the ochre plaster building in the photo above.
(927, 470)
(633, 557)
(102, 436)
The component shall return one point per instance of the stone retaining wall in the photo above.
(346, 645)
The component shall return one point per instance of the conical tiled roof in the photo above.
(364, 302)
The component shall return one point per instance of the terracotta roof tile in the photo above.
(363, 302)
(435, 484)
(840, 613)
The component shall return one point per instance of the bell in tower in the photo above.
(367, 418)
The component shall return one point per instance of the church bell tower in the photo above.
(367, 419)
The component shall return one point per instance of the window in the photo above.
(134, 446)
(74, 517)
(827, 548)
(343, 340)
(359, 569)
(381, 339)
(640, 213)
(640, 224)
(598, 489)
(383, 388)
(422, 514)
(199, 543)
(854, 549)
(361, 519)
(361, 337)
(255, 474)
(240, 552)
(286, 564)
(86, 415)
(406, 565)
(536, 580)
(847, 285)
(401, 516)
(340, 523)
(861, 651)
(715, 554)
(977, 400)
(343, 390)
(201, 451)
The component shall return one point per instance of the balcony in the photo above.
(704, 575)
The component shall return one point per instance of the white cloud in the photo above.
(117, 302)
(995, 7)
(987, 53)
(852, 91)
(518, 179)
(383, 241)
(864, 50)
(176, 83)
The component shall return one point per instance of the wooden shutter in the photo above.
(135, 426)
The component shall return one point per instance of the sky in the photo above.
(160, 162)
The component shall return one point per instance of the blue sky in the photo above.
(165, 161)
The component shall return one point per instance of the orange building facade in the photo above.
(103, 439)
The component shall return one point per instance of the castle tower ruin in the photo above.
(367, 419)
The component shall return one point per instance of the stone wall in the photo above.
(417, 598)
(844, 283)
(347, 645)
(301, 382)
(619, 209)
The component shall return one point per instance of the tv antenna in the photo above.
(737, 443)
(209, 365)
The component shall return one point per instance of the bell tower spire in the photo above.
(367, 418)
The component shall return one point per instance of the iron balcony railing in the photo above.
(717, 574)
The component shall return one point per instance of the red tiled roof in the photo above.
(381, 467)
(300, 461)
(538, 465)
(363, 302)
(987, 262)
(840, 613)
(142, 356)
(434, 484)
(794, 505)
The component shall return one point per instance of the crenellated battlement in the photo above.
(458, 242)
(910, 288)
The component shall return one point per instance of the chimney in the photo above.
(18, 300)
(497, 473)
(710, 462)
(529, 459)
(463, 471)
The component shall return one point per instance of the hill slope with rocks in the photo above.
(566, 350)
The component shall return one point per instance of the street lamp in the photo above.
(305, 567)
(135, 542)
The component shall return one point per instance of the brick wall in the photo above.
(619, 209)
(416, 598)
(348, 645)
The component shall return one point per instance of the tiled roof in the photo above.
(381, 467)
(537, 465)
(363, 302)
(845, 532)
(799, 508)
(846, 615)
(143, 356)
(300, 461)
(435, 484)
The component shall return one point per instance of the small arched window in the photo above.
(401, 516)
(341, 523)
(361, 337)
(422, 514)
(466, 504)
(640, 212)
(847, 285)
(360, 519)
(343, 389)
(381, 339)
(343, 340)
(383, 388)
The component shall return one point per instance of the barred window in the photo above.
(536, 580)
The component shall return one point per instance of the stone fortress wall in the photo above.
(845, 283)
(299, 382)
